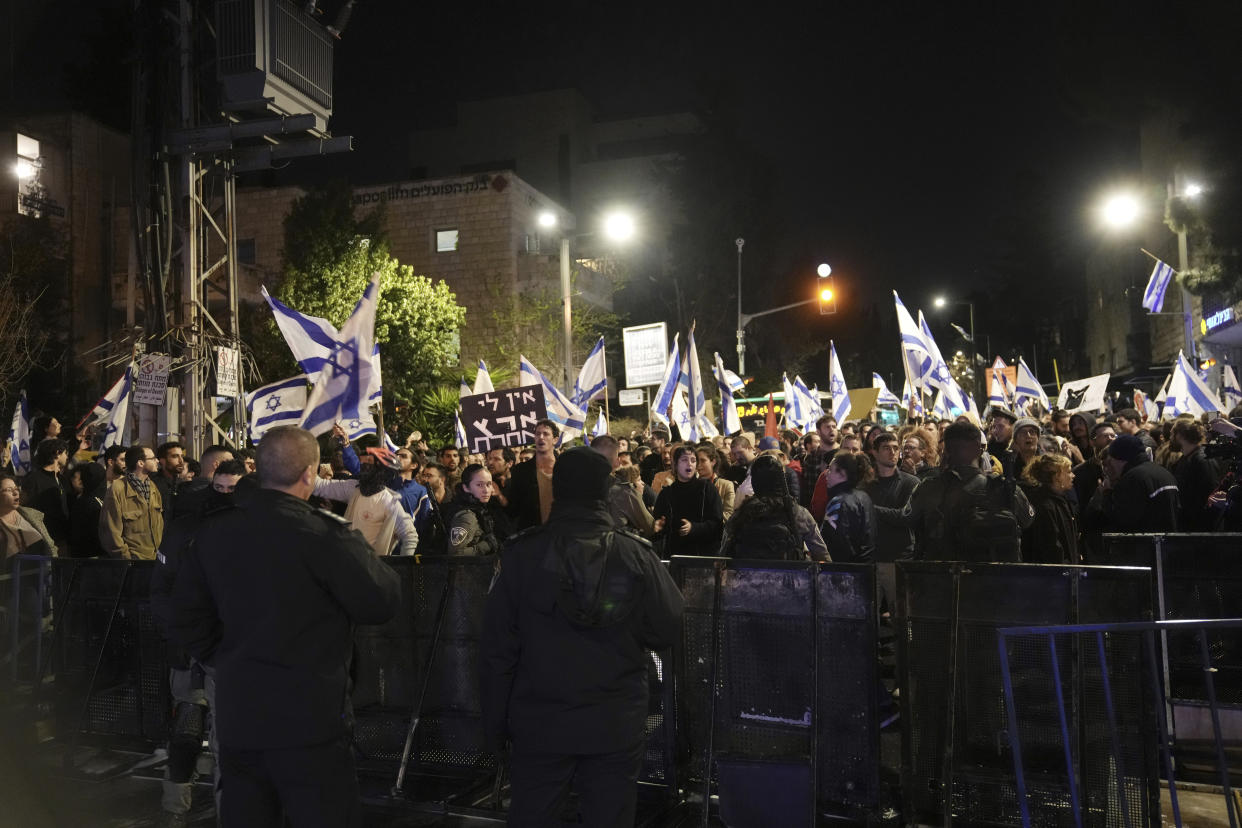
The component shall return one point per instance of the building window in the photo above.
(246, 251)
(446, 241)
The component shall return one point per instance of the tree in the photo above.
(34, 267)
(329, 258)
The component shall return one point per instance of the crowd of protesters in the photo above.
(1019, 489)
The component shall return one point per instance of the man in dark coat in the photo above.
(1137, 495)
(268, 596)
(529, 493)
(568, 626)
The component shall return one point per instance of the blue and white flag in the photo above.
(1001, 393)
(1028, 388)
(940, 378)
(19, 436)
(668, 385)
(1229, 388)
(809, 409)
(593, 378)
(311, 338)
(459, 430)
(118, 412)
(915, 354)
(103, 408)
(1157, 285)
(911, 401)
(601, 425)
(793, 403)
(1188, 393)
(698, 399)
(344, 381)
(376, 394)
(736, 384)
(276, 404)
(836, 383)
(483, 380)
(561, 410)
(730, 422)
(885, 396)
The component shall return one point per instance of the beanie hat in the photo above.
(767, 477)
(1127, 448)
(581, 475)
(768, 443)
(1024, 422)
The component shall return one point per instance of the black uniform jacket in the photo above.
(268, 594)
(552, 686)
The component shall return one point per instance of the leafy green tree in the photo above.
(329, 258)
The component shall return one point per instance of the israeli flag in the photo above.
(376, 395)
(483, 380)
(312, 340)
(736, 384)
(459, 430)
(885, 396)
(808, 404)
(1188, 394)
(279, 403)
(698, 399)
(836, 383)
(344, 381)
(940, 407)
(668, 385)
(601, 425)
(1002, 390)
(730, 422)
(1028, 388)
(1157, 285)
(593, 378)
(1146, 405)
(940, 377)
(561, 410)
(103, 408)
(1229, 387)
(911, 401)
(915, 353)
(793, 403)
(19, 436)
(118, 414)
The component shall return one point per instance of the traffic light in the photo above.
(827, 293)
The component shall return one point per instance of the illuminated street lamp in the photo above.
(23, 169)
(618, 226)
(941, 302)
(1122, 211)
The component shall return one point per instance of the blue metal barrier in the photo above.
(1129, 704)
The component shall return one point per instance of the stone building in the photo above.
(479, 233)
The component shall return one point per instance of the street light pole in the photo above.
(567, 315)
(741, 332)
(1177, 187)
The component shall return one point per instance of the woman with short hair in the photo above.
(1052, 537)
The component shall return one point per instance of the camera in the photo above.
(1220, 447)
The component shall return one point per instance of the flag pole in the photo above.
(607, 412)
(1158, 259)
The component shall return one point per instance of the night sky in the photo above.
(921, 148)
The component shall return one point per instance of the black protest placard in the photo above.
(502, 418)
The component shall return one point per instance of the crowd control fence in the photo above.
(778, 688)
(1114, 740)
(957, 765)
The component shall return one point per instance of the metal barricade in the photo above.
(956, 764)
(777, 678)
(110, 665)
(24, 606)
(1095, 757)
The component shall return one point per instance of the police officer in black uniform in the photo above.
(569, 621)
(268, 595)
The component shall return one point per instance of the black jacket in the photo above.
(556, 686)
(45, 491)
(1196, 480)
(1052, 538)
(852, 540)
(697, 501)
(268, 595)
(522, 495)
(1144, 499)
(894, 541)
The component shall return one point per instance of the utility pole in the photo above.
(741, 326)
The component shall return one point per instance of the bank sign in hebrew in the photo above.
(502, 418)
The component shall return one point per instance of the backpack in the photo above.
(979, 521)
(768, 541)
(594, 591)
